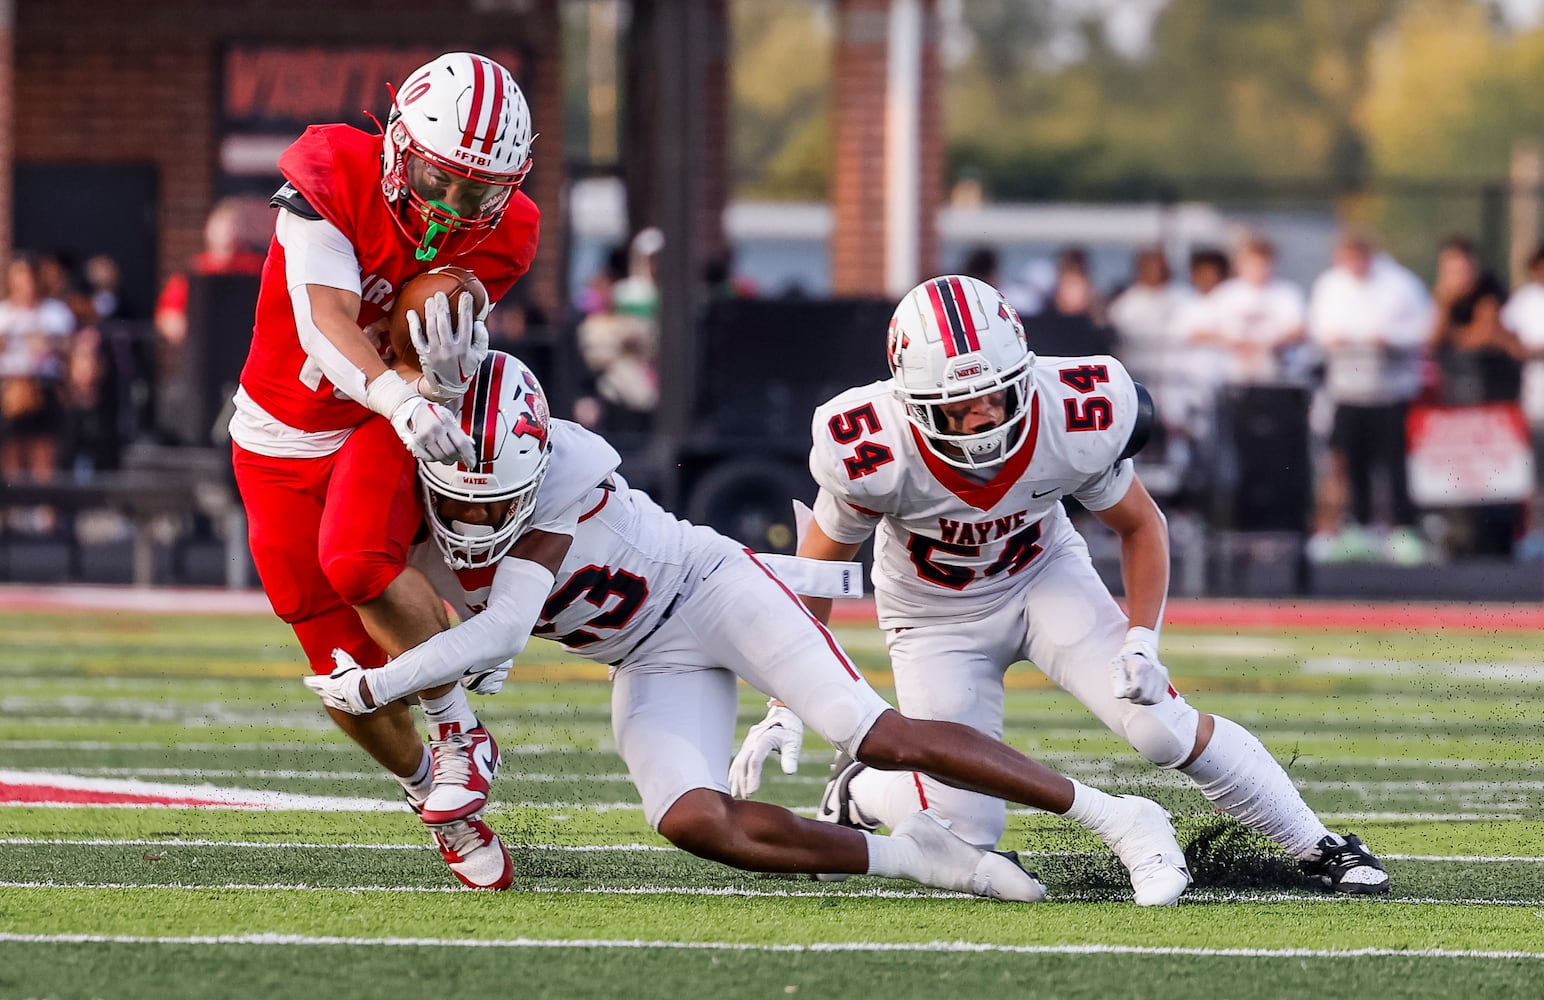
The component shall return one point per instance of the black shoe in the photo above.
(1346, 866)
(836, 801)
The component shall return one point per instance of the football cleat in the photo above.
(1344, 865)
(1144, 841)
(951, 863)
(475, 854)
(464, 766)
(836, 801)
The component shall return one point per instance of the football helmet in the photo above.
(505, 414)
(953, 339)
(459, 121)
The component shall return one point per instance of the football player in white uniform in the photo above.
(957, 465)
(562, 547)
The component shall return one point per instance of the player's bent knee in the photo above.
(894, 742)
(701, 821)
(360, 577)
(1165, 733)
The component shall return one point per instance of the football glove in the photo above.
(1136, 674)
(432, 432)
(490, 681)
(448, 352)
(781, 733)
(345, 688)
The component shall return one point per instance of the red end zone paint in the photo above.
(46, 795)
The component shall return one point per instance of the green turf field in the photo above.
(1427, 745)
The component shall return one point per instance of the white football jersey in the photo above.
(949, 547)
(628, 562)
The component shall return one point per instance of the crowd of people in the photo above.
(1365, 342)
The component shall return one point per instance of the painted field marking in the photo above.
(1194, 896)
(1519, 672)
(621, 848)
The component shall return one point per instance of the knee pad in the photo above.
(360, 576)
(1164, 733)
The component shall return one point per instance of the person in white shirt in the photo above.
(1257, 316)
(1523, 314)
(1371, 317)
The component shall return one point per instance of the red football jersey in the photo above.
(337, 168)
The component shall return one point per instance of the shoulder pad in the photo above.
(858, 442)
(1089, 408)
(291, 200)
(1147, 419)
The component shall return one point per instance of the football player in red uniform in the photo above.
(321, 421)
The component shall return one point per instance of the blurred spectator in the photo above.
(722, 280)
(34, 333)
(1257, 317)
(981, 263)
(1072, 323)
(233, 237)
(1370, 317)
(104, 281)
(1458, 271)
(595, 297)
(1523, 314)
(1200, 362)
(1480, 361)
(1028, 292)
(53, 276)
(619, 345)
(90, 430)
(1144, 316)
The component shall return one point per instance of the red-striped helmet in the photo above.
(954, 339)
(505, 414)
(458, 144)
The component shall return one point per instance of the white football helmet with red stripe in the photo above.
(954, 339)
(505, 414)
(459, 116)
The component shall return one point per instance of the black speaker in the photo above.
(1268, 426)
(221, 310)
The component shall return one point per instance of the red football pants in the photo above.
(328, 533)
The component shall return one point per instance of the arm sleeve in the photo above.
(520, 588)
(1108, 488)
(317, 253)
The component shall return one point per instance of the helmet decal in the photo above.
(954, 319)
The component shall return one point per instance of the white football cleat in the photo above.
(1143, 838)
(475, 854)
(464, 766)
(951, 863)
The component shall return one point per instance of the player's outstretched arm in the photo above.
(520, 587)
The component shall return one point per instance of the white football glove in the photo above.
(344, 688)
(432, 432)
(1136, 674)
(448, 353)
(490, 681)
(781, 733)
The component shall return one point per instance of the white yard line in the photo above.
(619, 848)
(1195, 896)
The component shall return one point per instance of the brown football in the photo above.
(450, 280)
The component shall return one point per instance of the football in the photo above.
(450, 280)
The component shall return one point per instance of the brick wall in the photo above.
(858, 120)
(135, 83)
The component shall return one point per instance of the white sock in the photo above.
(886, 797)
(419, 784)
(1092, 808)
(449, 708)
(890, 857)
(1238, 775)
